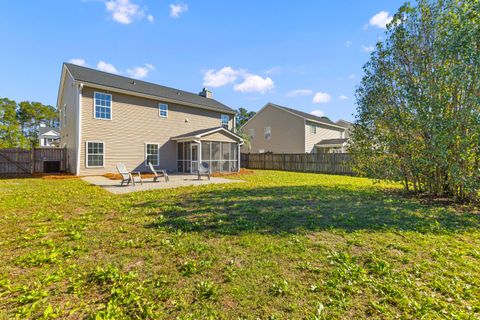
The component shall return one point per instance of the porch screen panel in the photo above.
(226, 163)
(234, 156)
(216, 156)
(206, 153)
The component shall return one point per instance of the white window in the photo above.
(103, 106)
(251, 133)
(313, 129)
(151, 154)
(267, 133)
(224, 119)
(163, 110)
(95, 154)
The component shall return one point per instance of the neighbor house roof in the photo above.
(114, 81)
(43, 130)
(329, 142)
(204, 132)
(305, 115)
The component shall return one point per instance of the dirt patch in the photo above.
(116, 176)
(242, 172)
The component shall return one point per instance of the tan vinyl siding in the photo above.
(287, 130)
(218, 136)
(136, 121)
(323, 132)
(68, 133)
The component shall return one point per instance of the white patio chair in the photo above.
(159, 174)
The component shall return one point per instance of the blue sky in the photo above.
(304, 54)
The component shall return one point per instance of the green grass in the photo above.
(281, 245)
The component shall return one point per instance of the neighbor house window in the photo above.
(267, 133)
(224, 119)
(95, 154)
(151, 154)
(313, 129)
(251, 133)
(163, 110)
(103, 106)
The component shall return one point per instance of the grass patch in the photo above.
(281, 245)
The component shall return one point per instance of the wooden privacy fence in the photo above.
(19, 162)
(335, 163)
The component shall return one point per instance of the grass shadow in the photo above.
(299, 209)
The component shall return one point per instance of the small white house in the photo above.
(48, 137)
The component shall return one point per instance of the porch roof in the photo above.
(331, 143)
(198, 134)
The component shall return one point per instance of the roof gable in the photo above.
(114, 81)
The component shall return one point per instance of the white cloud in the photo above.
(222, 77)
(351, 76)
(150, 18)
(299, 93)
(342, 97)
(177, 9)
(107, 67)
(318, 113)
(140, 72)
(255, 83)
(78, 62)
(274, 70)
(322, 97)
(368, 49)
(380, 20)
(124, 11)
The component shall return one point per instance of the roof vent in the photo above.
(206, 93)
(133, 82)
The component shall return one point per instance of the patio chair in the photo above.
(127, 176)
(159, 174)
(203, 170)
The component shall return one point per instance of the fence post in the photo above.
(32, 159)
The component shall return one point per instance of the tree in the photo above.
(10, 131)
(19, 123)
(243, 115)
(418, 103)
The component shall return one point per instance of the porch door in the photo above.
(194, 158)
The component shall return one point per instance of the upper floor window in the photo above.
(224, 119)
(251, 133)
(163, 110)
(267, 133)
(95, 154)
(313, 129)
(151, 154)
(103, 106)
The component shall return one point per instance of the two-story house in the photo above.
(108, 119)
(279, 129)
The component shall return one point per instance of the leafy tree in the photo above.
(10, 131)
(243, 115)
(19, 123)
(418, 103)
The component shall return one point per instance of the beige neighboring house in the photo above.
(106, 119)
(280, 129)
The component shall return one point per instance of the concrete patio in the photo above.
(176, 180)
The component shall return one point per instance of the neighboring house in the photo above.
(280, 129)
(48, 136)
(106, 119)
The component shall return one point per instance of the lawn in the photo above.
(281, 245)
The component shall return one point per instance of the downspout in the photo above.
(79, 126)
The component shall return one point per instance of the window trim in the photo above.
(313, 129)
(160, 110)
(158, 153)
(228, 120)
(95, 105)
(265, 133)
(87, 154)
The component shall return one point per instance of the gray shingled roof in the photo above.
(202, 132)
(306, 115)
(119, 82)
(331, 141)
